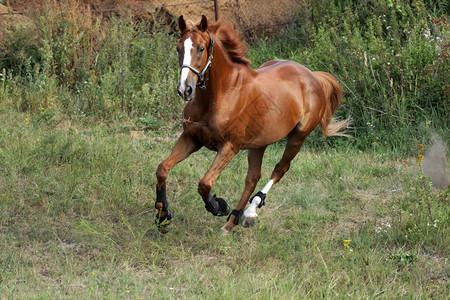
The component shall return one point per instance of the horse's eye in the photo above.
(201, 49)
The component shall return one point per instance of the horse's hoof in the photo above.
(217, 206)
(164, 223)
(224, 208)
(248, 221)
(224, 232)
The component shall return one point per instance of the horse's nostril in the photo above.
(188, 91)
(180, 92)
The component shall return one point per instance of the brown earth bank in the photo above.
(246, 15)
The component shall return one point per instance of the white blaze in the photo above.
(187, 62)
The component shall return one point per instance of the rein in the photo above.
(202, 73)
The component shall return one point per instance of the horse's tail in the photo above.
(333, 95)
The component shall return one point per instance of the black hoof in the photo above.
(164, 222)
(217, 206)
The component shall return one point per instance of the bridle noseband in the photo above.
(201, 75)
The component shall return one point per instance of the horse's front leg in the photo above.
(184, 147)
(216, 206)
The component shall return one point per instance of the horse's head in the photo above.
(194, 55)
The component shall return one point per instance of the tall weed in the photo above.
(91, 65)
(391, 57)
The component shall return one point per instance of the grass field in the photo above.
(77, 221)
(88, 109)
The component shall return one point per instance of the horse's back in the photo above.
(288, 81)
(288, 67)
(287, 76)
(293, 89)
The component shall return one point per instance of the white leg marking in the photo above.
(250, 212)
(187, 62)
(267, 187)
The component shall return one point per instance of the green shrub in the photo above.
(90, 66)
(391, 58)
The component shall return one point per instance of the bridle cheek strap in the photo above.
(201, 75)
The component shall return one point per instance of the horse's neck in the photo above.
(222, 76)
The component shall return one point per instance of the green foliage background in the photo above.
(77, 169)
(391, 58)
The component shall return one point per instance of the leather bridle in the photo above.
(201, 74)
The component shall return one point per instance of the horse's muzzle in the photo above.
(185, 93)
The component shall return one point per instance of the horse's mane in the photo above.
(231, 40)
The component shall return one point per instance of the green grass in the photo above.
(89, 110)
(77, 221)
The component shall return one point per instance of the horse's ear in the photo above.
(203, 26)
(181, 24)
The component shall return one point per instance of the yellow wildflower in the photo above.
(346, 244)
(26, 119)
(420, 147)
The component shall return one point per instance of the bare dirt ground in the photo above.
(8, 20)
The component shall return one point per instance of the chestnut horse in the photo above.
(231, 107)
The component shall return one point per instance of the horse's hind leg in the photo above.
(294, 144)
(295, 141)
(255, 157)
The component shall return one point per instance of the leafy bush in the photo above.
(391, 57)
(88, 65)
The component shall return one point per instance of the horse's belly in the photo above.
(266, 133)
